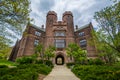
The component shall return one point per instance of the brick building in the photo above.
(56, 33)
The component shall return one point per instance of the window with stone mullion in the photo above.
(83, 43)
(59, 33)
(60, 43)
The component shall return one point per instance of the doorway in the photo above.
(59, 60)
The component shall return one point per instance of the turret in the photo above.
(50, 19)
(67, 15)
(68, 18)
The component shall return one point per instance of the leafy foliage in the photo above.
(25, 60)
(24, 72)
(107, 38)
(26, 69)
(106, 52)
(109, 26)
(79, 55)
(39, 50)
(49, 52)
(14, 15)
(70, 65)
(4, 47)
(96, 61)
(46, 62)
(93, 72)
(7, 63)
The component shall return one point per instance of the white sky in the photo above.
(83, 10)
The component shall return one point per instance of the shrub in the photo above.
(19, 74)
(69, 65)
(7, 63)
(97, 72)
(90, 61)
(3, 66)
(49, 63)
(40, 68)
(96, 61)
(26, 69)
(39, 61)
(24, 72)
(46, 62)
(25, 60)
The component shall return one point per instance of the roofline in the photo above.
(36, 27)
(82, 27)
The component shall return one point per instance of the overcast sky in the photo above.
(83, 10)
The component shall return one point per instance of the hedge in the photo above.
(24, 72)
(97, 72)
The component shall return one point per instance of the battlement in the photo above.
(60, 23)
(67, 13)
(52, 13)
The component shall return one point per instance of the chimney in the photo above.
(76, 27)
(42, 26)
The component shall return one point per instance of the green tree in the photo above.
(4, 48)
(14, 15)
(109, 26)
(79, 55)
(71, 48)
(39, 50)
(105, 52)
(49, 52)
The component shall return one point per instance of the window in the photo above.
(60, 43)
(37, 33)
(83, 43)
(81, 34)
(59, 33)
(36, 42)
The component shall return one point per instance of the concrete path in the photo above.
(61, 73)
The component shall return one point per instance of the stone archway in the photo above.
(59, 60)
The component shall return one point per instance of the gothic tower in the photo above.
(50, 19)
(68, 18)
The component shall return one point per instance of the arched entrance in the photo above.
(59, 60)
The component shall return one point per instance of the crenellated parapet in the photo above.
(67, 13)
(60, 23)
(52, 13)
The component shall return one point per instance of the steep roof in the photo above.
(38, 28)
(82, 27)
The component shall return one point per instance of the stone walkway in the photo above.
(61, 73)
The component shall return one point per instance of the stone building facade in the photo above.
(58, 34)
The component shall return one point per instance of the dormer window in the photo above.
(59, 33)
(37, 33)
(82, 34)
